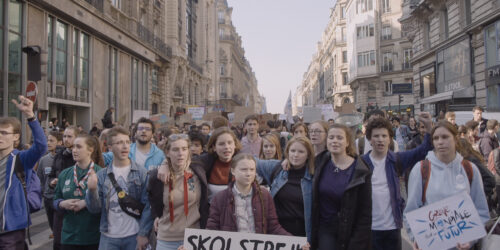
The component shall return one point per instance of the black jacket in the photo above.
(486, 175)
(355, 216)
(62, 161)
(155, 194)
(107, 121)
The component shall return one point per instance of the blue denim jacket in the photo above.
(265, 168)
(137, 180)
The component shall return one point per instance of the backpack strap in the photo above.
(468, 170)
(425, 171)
(361, 145)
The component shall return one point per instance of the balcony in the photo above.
(148, 37)
(387, 67)
(98, 4)
(226, 38)
(195, 66)
(406, 66)
(65, 96)
(221, 21)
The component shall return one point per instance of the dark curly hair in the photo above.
(379, 123)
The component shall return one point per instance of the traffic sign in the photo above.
(31, 91)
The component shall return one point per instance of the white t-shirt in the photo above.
(140, 158)
(382, 218)
(120, 224)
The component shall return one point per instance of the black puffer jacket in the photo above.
(62, 161)
(355, 216)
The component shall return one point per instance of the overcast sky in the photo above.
(279, 38)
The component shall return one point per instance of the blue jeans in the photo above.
(168, 245)
(126, 243)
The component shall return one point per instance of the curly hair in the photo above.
(215, 135)
(379, 123)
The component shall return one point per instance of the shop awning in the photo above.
(448, 95)
(437, 97)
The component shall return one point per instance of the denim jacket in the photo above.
(265, 168)
(137, 180)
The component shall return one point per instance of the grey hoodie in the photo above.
(445, 180)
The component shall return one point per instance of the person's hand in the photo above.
(79, 205)
(415, 246)
(426, 119)
(464, 246)
(92, 181)
(68, 204)
(181, 248)
(163, 173)
(284, 165)
(53, 183)
(155, 224)
(142, 242)
(306, 246)
(24, 105)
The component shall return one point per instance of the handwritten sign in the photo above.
(443, 224)
(312, 114)
(195, 239)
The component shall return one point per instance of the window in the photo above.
(386, 6)
(145, 87)
(190, 28)
(427, 35)
(388, 87)
(154, 108)
(117, 3)
(365, 31)
(453, 67)
(61, 52)
(445, 29)
(408, 54)
(113, 78)
(343, 34)
(386, 32)
(344, 56)
(427, 82)
(345, 79)
(221, 33)
(179, 21)
(492, 42)
(387, 62)
(342, 12)
(220, 15)
(467, 10)
(223, 90)
(135, 84)
(364, 6)
(154, 80)
(81, 64)
(13, 69)
(223, 69)
(366, 58)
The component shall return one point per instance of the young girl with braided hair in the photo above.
(182, 201)
(244, 206)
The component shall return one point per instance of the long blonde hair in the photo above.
(171, 139)
(309, 148)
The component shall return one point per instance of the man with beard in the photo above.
(142, 152)
(62, 160)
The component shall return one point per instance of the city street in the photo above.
(40, 231)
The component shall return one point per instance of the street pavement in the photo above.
(40, 232)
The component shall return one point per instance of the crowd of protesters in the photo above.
(341, 188)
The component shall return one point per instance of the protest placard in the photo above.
(230, 117)
(195, 239)
(327, 112)
(185, 118)
(443, 224)
(241, 112)
(312, 114)
(196, 112)
(282, 117)
(159, 120)
(137, 114)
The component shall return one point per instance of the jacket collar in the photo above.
(361, 170)
(133, 166)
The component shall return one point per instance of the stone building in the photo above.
(141, 57)
(456, 53)
(325, 80)
(379, 65)
(237, 82)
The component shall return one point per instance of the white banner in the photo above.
(195, 239)
(196, 112)
(443, 224)
(312, 114)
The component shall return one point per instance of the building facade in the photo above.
(141, 57)
(380, 69)
(456, 60)
(325, 81)
(237, 82)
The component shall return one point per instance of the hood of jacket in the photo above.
(431, 156)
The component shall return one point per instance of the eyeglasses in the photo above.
(175, 137)
(121, 143)
(316, 132)
(144, 129)
(4, 133)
